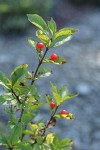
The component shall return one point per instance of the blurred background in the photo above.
(81, 74)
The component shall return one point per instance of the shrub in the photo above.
(22, 100)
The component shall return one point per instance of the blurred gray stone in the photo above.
(83, 89)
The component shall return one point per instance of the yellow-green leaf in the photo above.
(52, 26)
(49, 138)
(60, 40)
(32, 42)
(59, 61)
(68, 116)
(38, 21)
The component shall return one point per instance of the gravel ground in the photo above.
(81, 74)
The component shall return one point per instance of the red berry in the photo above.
(52, 105)
(53, 57)
(64, 112)
(40, 46)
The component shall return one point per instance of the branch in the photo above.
(22, 111)
(49, 121)
(40, 62)
(17, 97)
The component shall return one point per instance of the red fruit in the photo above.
(40, 46)
(53, 57)
(64, 112)
(52, 105)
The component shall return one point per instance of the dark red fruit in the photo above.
(53, 57)
(64, 112)
(52, 105)
(40, 46)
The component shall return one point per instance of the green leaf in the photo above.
(27, 117)
(4, 81)
(39, 139)
(15, 134)
(3, 78)
(61, 144)
(69, 30)
(28, 132)
(44, 72)
(32, 42)
(18, 72)
(6, 98)
(52, 26)
(48, 98)
(36, 106)
(37, 21)
(4, 140)
(44, 38)
(36, 147)
(6, 87)
(68, 116)
(59, 61)
(24, 146)
(28, 74)
(62, 94)
(60, 40)
(65, 31)
(34, 93)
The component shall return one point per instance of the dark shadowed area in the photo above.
(81, 73)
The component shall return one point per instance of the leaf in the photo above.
(44, 72)
(49, 138)
(39, 140)
(69, 30)
(32, 42)
(3, 78)
(48, 98)
(44, 38)
(27, 117)
(61, 144)
(18, 72)
(4, 140)
(39, 32)
(23, 146)
(36, 147)
(60, 40)
(34, 92)
(37, 21)
(4, 81)
(15, 134)
(36, 106)
(28, 132)
(59, 61)
(3, 84)
(52, 26)
(33, 126)
(65, 31)
(62, 94)
(68, 116)
(7, 97)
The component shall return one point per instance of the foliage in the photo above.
(21, 95)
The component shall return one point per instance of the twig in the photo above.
(22, 111)
(17, 97)
(50, 120)
(40, 62)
